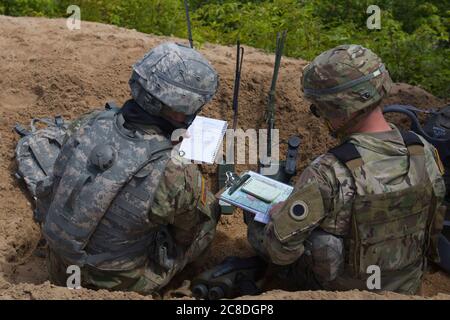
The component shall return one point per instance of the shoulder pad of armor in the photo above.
(301, 211)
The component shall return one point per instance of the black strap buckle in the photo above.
(59, 121)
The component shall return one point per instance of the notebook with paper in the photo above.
(204, 138)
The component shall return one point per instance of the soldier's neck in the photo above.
(373, 122)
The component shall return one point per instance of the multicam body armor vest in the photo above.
(392, 225)
(105, 179)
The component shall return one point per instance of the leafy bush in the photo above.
(419, 58)
(413, 41)
(47, 8)
(162, 17)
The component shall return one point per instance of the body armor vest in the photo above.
(391, 229)
(106, 176)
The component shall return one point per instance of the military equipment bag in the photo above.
(35, 154)
(436, 129)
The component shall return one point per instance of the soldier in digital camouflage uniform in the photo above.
(375, 200)
(125, 207)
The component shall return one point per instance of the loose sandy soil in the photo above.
(46, 70)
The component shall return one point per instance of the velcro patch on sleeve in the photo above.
(301, 211)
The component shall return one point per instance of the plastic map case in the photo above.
(257, 194)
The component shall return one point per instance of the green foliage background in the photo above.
(413, 40)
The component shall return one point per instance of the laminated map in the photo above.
(256, 194)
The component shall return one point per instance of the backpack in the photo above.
(35, 154)
(436, 129)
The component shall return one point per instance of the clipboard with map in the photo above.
(255, 193)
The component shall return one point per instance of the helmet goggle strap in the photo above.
(345, 86)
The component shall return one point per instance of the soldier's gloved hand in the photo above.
(165, 249)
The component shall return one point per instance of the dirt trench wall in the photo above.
(47, 69)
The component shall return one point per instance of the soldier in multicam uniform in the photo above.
(126, 209)
(375, 200)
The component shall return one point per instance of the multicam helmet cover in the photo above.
(344, 80)
(174, 76)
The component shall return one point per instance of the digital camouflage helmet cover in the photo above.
(173, 76)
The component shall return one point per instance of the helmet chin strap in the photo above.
(341, 132)
(176, 124)
(181, 125)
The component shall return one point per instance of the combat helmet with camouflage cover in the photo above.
(345, 80)
(175, 77)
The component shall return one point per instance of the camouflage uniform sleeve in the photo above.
(284, 236)
(183, 201)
